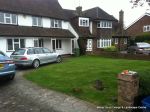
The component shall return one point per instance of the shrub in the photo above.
(111, 49)
(144, 37)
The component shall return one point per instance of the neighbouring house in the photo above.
(96, 29)
(35, 23)
(141, 25)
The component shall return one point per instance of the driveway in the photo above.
(21, 95)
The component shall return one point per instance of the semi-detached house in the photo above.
(35, 23)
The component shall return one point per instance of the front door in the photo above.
(89, 45)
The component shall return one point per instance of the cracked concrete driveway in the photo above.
(21, 95)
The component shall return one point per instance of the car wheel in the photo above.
(59, 59)
(11, 77)
(36, 63)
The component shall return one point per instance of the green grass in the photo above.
(80, 73)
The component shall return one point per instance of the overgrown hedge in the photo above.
(144, 37)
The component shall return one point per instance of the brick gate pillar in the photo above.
(128, 85)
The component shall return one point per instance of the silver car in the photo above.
(34, 56)
(140, 48)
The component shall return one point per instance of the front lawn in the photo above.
(75, 76)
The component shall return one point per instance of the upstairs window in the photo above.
(37, 21)
(56, 23)
(146, 28)
(104, 24)
(7, 18)
(83, 22)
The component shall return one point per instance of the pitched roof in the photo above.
(95, 13)
(146, 14)
(24, 31)
(46, 8)
(98, 13)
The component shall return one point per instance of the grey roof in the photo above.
(26, 31)
(46, 8)
(97, 13)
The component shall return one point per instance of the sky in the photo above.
(112, 7)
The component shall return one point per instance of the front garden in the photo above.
(76, 77)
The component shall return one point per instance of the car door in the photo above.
(50, 56)
(40, 55)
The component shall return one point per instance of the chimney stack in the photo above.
(79, 11)
(121, 18)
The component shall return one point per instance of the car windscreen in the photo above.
(143, 45)
(19, 52)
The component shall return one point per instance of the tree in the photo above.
(140, 3)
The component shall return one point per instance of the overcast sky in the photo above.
(110, 6)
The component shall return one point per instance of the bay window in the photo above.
(103, 43)
(13, 44)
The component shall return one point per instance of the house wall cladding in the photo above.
(137, 28)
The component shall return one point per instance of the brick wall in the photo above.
(137, 28)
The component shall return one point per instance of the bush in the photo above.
(76, 52)
(144, 37)
(111, 49)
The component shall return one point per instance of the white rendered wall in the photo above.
(24, 20)
(91, 27)
(66, 47)
(3, 46)
(75, 34)
(46, 22)
(47, 43)
(65, 24)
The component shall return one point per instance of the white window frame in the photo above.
(146, 28)
(89, 45)
(116, 40)
(57, 23)
(37, 19)
(83, 22)
(10, 18)
(104, 24)
(104, 43)
(13, 43)
(58, 44)
(125, 41)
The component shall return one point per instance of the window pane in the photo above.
(10, 44)
(34, 21)
(1, 17)
(36, 44)
(30, 51)
(53, 44)
(16, 46)
(41, 43)
(14, 19)
(52, 23)
(7, 15)
(60, 24)
(16, 40)
(7, 20)
(45, 50)
(39, 21)
(57, 45)
(22, 43)
(60, 44)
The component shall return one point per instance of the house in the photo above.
(95, 28)
(35, 23)
(141, 25)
